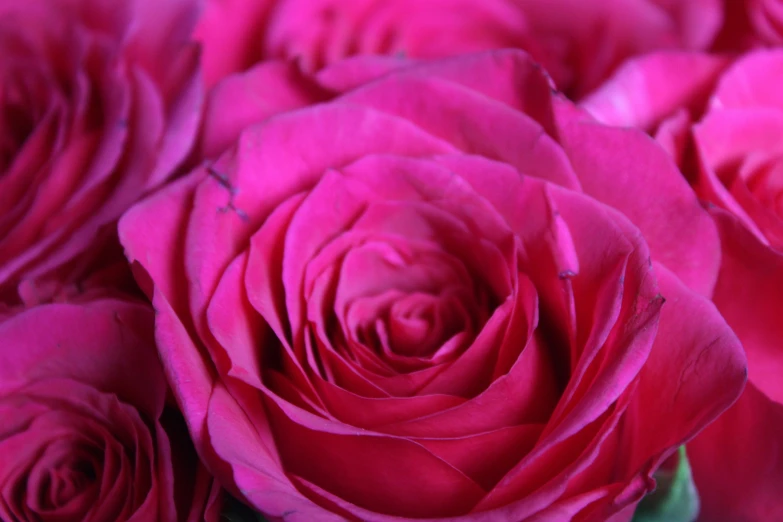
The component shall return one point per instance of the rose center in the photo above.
(68, 482)
(419, 324)
(68, 475)
(410, 304)
(765, 182)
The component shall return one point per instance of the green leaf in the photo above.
(675, 498)
(236, 511)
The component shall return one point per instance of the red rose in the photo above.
(417, 300)
(578, 42)
(100, 103)
(85, 434)
(722, 122)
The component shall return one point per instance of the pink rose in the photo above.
(423, 300)
(723, 122)
(85, 432)
(100, 103)
(578, 42)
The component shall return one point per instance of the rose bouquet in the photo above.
(308, 260)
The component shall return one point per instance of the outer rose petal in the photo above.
(747, 83)
(271, 489)
(251, 97)
(649, 89)
(30, 352)
(651, 193)
(693, 258)
(231, 29)
(737, 462)
(748, 295)
(696, 369)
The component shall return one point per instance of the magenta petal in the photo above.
(520, 82)
(749, 298)
(746, 84)
(183, 119)
(376, 413)
(353, 72)
(256, 467)
(729, 135)
(339, 508)
(651, 88)
(651, 192)
(152, 234)
(251, 97)
(519, 494)
(263, 277)
(726, 140)
(326, 211)
(236, 325)
(110, 355)
(485, 457)
(272, 167)
(166, 27)
(744, 481)
(695, 371)
(189, 373)
(227, 30)
(529, 382)
(385, 474)
(465, 117)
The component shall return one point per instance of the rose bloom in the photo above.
(99, 103)
(86, 434)
(578, 42)
(722, 122)
(417, 301)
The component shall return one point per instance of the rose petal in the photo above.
(109, 355)
(251, 97)
(367, 476)
(696, 363)
(742, 484)
(746, 84)
(249, 451)
(748, 298)
(464, 118)
(647, 90)
(651, 193)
